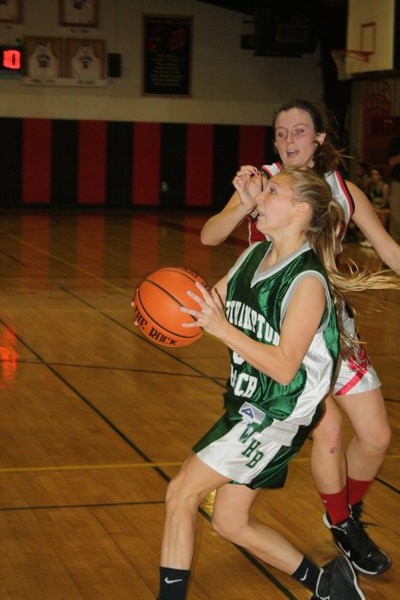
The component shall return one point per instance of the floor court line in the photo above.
(89, 467)
(146, 465)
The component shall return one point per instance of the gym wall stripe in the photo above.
(252, 143)
(64, 165)
(146, 164)
(119, 163)
(36, 161)
(11, 135)
(173, 165)
(98, 163)
(199, 165)
(225, 162)
(91, 162)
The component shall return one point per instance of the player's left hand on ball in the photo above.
(211, 313)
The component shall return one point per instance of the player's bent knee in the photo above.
(384, 437)
(226, 526)
(329, 431)
(378, 440)
(180, 498)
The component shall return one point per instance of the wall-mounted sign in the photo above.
(167, 50)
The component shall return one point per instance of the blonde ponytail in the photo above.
(324, 234)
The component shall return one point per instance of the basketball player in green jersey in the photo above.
(275, 311)
(305, 135)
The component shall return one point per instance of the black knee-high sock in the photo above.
(173, 583)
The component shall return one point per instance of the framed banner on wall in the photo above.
(11, 11)
(82, 13)
(43, 57)
(167, 55)
(84, 59)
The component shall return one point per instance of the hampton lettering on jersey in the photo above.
(245, 317)
(240, 314)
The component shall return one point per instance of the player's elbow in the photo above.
(204, 239)
(207, 240)
(286, 374)
(284, 380)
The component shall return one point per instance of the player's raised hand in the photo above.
(248, 183)
(211, 314)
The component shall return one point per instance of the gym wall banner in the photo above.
(167, 50)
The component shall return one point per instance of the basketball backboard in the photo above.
(371, 29)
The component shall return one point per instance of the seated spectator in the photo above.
(379, 189)
(362, 177)
(379, 195)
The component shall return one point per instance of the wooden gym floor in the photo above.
(95, 419)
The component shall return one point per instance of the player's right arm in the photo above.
(219, 227)
(300, 323)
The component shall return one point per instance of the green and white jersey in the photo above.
(267, 418)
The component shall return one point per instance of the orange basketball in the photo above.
(158, 302)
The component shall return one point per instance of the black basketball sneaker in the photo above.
(338, 582)
(354, 543)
